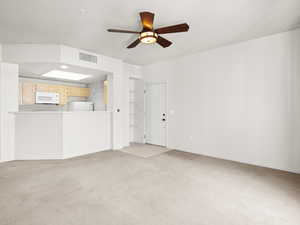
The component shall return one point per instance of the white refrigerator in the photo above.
(81, 106)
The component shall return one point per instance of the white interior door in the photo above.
(156, 118)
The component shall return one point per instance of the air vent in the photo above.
(88, 58)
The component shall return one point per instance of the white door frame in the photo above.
(166, 105)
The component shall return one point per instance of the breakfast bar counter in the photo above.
(60, 135)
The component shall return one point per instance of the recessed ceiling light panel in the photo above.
(58, 74)
(64, 67)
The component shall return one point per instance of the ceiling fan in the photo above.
(149, 35)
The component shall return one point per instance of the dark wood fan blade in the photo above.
(147, 20)
(163, 42)
(173, 29)
(133, 44)
(123, 31)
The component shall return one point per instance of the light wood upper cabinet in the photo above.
(63, 94)
(28, 93)
(85, 92)
(105, 95)
(74, 91)
(42, 87)
(79, 92)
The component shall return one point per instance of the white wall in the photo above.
(97, 95)
(137, 110)
(8, 103)
(31, 53)
(39, 135)
(58, 135)
(0, 52)
(96, 127)
(129, 72)
(240, 102)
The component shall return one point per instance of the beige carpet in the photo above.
(144, 151)
(174, 188)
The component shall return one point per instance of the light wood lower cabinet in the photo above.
(28, 91)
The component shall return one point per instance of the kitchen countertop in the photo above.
(57, 112)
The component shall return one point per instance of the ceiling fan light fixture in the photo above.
(148, 37)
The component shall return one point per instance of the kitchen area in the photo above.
(51, 95)
(59, 102)
(62, 116)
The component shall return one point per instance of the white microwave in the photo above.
(46, 98)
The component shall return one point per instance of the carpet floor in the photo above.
(173, 188)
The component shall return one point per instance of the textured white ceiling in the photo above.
(83, 24)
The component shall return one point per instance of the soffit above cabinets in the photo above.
(49, 53)
(35, 60)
